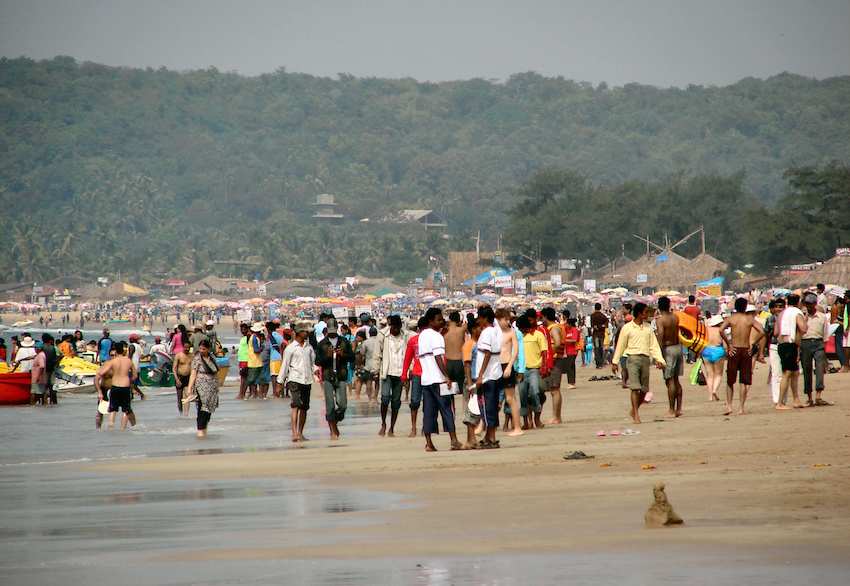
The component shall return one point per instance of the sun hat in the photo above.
(715, 321)
(27, 342)
(210, 322)
(750, 308)
(257, 327)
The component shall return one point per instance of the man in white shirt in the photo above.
(789, 328)
(296, 373)
(488, 374)
(393, 344)
(436, 394)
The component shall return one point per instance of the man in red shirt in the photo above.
(414, 374)
(571, 336)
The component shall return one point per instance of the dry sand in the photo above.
(761, 480)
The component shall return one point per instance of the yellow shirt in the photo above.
(534, 345)
(254, 360)
(638, 340)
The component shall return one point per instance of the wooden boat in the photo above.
(15, 388)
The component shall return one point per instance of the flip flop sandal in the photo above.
(600, 433)
(631, 432)
(615, 433)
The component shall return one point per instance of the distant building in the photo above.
(326, 209)
(426, 218)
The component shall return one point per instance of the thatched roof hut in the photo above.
(708, 266)
(835, 271)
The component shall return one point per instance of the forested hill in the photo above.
(155, 171)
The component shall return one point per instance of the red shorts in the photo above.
(739, 366)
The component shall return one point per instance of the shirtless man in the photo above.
(740, 363)
(454, 337)
(120, 397)
(182, 367)
(553, 383)
(507, 357)
(667, 331)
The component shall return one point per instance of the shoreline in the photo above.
(745, 480)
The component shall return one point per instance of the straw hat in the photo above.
(257, 327)
(715, 321)
(27, 342)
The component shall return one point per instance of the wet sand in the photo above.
(769, 485)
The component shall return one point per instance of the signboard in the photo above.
(804, 267)
(244, 316)
(360, 309)
(567, 264)
(710, 291)
(842, 252)
(556, 280)
(340, 313)
(520, 286)
(538, 286)
(641, 278)
(61, 297)
(502, 281)
(589, 285)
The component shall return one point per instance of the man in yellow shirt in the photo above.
(535, 348)
(637, 342)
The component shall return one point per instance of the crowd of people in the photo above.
(498, 363)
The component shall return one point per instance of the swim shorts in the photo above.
(454, 368)
(508, 382)
(739, 366)
(789, 356)
(120, 398)
(674, 361)
(253, 377)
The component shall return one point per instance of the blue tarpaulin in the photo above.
(710, 282)
(487, 276)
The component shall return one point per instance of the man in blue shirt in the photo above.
(104, 345)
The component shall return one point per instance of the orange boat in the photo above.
(692, 332)
(15, 388)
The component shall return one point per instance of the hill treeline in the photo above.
(155, 172)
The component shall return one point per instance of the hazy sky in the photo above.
(661, 42)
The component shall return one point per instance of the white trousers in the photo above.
(775, 372)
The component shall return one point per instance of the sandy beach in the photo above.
(767, 481)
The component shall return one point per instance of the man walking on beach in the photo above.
(122, 372)
(598, 325)
(488, 374)
(740, 362)
(436, 393)
(667, 331)
(638, 343)
(412, 370)
(296, 375)
(393, 345)
(182, 368)
(333, 355)
(812, 352)
(789, 329)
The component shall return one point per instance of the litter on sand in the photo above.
(647, 466)
(578, 455)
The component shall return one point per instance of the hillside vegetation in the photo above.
(155, 172)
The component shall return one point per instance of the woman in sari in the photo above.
(203, 386)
